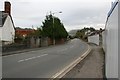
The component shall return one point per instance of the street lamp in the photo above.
(53, 25)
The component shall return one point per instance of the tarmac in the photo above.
(90, 68)
(23, 50)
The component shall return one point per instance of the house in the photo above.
(27, 36)
(95, 37)
(23, 32)
(111, 39)
(7, 28)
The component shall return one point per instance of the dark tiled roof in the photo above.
(3, 17)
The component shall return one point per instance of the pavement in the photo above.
(42, 63)
(91, 68)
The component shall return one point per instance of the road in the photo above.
(92, 67)
(43, 63)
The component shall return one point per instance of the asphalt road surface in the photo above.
(43, 63)
(91, 68)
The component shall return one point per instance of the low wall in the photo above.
(94, 39)
(13, 47)
(60, 41)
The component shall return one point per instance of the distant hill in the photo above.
(72, 32)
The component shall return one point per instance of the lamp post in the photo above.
(53, 25)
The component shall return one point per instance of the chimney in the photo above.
(7, 7)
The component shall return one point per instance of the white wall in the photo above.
(110, 45)
(94, 39)
(8, 31)
(119, 41)
(0, 34)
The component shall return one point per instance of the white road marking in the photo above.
(65, 49)
(20, 60)
(32, 58)
(43, 51)
(38, 56)
(62, 50)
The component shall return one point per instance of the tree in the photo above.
(92, 29)
(36, 33)
(82, 34)
(55, 30)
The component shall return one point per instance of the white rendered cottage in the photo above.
(7, 29)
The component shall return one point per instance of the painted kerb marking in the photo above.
(72, 65)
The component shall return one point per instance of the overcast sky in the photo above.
(76, 14)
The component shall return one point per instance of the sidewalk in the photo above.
(91, 68)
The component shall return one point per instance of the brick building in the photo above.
(24, 32)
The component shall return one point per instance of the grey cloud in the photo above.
(86, 16)
(75, 13)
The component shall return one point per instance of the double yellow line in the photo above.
(61, 73)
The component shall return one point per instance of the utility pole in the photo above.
(53, 25)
